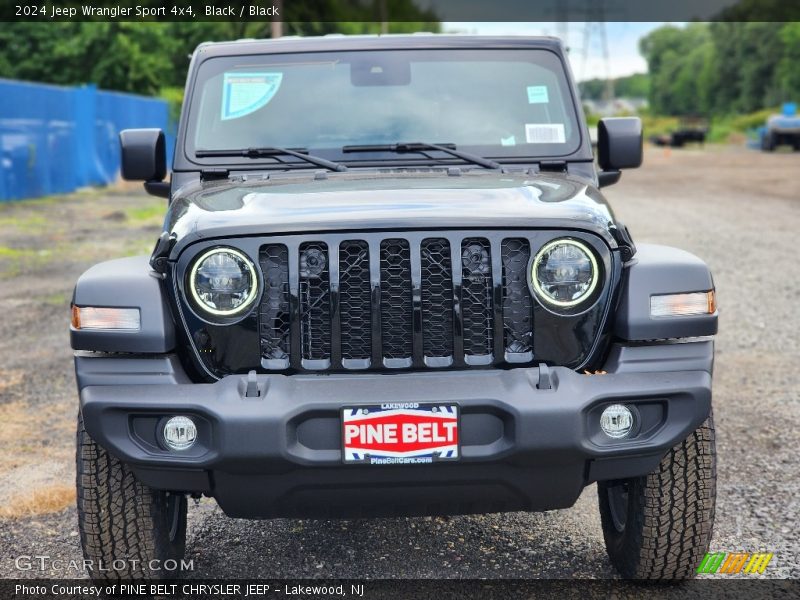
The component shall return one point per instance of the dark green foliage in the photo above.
(632, 86)
(144, 58)
(722, 68)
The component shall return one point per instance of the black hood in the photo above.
(359, 201)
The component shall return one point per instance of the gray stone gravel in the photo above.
(738, 210)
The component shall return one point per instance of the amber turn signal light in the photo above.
(115, 319)
(683, 305)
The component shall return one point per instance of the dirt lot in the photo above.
(739, 210)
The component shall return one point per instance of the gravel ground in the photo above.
(738, 210)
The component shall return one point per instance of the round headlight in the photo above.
(223, 282)
(564, 273)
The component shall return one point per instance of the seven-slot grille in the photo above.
(398, 302)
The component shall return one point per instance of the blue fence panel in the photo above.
(55, 139)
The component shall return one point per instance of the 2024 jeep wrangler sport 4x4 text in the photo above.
(388, 285)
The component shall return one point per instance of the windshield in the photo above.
(494, 103)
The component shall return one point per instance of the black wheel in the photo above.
(659, 526)
(128, 530)
(768, 142)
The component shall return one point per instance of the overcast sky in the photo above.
(623, 43)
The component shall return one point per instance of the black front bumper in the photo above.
(280, 454)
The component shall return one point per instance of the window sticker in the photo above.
(508, 141)
(244, 93)
(537, 94)
(545, 133)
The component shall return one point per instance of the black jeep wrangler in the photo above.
(387, 284)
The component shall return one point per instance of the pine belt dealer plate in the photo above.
(400, 433)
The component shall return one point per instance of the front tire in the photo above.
(128, 530)
(659, 526)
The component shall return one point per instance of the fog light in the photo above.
(616, 421)
(180, 433)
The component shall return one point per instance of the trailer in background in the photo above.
(690, 129)
(781, 130)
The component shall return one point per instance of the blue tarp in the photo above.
(55, 139)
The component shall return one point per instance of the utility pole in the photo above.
(384, 16)
(276, 25)
(598, 11)
(562, 16)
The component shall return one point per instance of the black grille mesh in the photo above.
(315, 305)
(396, 309)
(476, 298)
(376, 325)
(274, 324)
(437, 298)
(354, 300)
(517, 301)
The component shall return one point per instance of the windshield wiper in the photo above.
(402, 147)
(272, 151)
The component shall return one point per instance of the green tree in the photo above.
(787, 72)
(630, 86)
(722, 67)
(675, 58)
(144, 57)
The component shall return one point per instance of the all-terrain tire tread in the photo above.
(671, 513)
(121, 521)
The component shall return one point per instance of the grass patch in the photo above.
(14, 260)
(41, 501)
(149, 214)
(139, 247)
(15, 253)
(25, 224)
(40, 201)
(57, 299)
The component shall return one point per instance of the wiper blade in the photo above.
(273, 151)
(402, 147)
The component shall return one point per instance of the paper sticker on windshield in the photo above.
(537, 94)
(545, 133)
(244, 93)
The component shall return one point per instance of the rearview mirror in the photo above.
(619, 146)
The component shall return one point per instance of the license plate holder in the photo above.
(404, 433)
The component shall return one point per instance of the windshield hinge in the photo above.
(214, 173)
(158, 259)
(559, 166)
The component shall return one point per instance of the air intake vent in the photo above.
(437, 301)
(476, 300)
(354, 302)
(274, 323)
(517, 302)
(396, 311)
(315, 305)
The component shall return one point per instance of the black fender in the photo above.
(659, 270)
(125, 283)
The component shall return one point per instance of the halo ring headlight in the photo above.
(223, 282)
(564, 273)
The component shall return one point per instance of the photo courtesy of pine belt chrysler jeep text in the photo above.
(388, 284)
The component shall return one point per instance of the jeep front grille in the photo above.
(412, 301)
